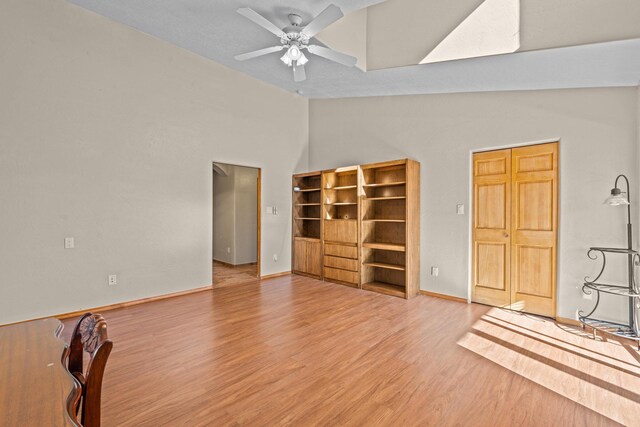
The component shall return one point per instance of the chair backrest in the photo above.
(90, 335)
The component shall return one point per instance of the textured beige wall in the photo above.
(108, 135)
(597, 129)
(403, 32)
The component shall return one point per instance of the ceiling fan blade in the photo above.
(332, 55)
(327, 17)
(256, 53)
(260, 20)
(298, 73)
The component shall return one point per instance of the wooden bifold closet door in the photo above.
(515, 227)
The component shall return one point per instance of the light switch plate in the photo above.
(269, 210)
(460, 209)
(434, 271)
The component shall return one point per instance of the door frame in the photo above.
(470, 210)
(258, 216)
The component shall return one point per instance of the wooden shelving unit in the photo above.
(307, 224)
(340, 214)
(361, 226)
(390, 228)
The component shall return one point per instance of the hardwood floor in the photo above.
(229, 275)
(297, 351)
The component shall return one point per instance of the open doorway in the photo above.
(236, 224)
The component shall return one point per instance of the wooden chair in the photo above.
(89, 335)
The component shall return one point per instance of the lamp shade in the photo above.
(617, 198)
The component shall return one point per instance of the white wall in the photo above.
(597, 132)
(224, 227)
(108, 135)
(246, 213)
(235, 215)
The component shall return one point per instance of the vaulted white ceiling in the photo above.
(509, 43)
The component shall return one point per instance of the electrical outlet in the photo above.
(434, 271)
(113, 279)
(69, 243)
(275, 257)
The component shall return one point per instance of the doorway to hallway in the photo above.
(236, 224)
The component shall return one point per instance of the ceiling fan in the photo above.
(294, 39)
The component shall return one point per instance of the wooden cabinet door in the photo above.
(534, 228)
(491, 227)
(313, 258)
(307, 256)
(300, 255)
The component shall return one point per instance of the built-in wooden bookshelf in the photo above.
(361, 226)
(390, 228)
(307, 224)
(340, 216)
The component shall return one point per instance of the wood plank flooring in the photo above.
(229, 275)
(296, 351)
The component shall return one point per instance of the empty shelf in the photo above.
(385, 288)
(386, 184)
(617, 329)
(342, 187)
(385, 265)
(383, 220)
(612, 289)
(307, 238)
(385, 246)
(615, 250)
(309, 219)
(341, 204)
(386, 198)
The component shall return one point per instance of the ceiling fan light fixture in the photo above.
(286, 59)
(302, 60)
(294, 52)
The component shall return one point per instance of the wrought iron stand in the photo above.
(630, 330)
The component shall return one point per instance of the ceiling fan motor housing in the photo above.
(293, 36)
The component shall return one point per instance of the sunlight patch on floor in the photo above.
(602, 376)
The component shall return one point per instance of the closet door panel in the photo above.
(534, 228)
(491, 227)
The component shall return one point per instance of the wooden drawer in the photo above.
(343, 263)
(341, 275)
(341, 250)
(341, 231)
